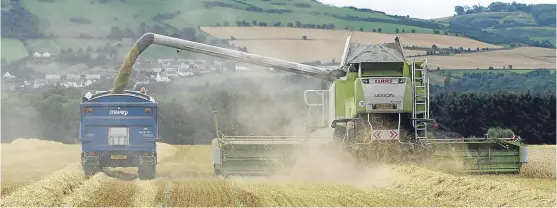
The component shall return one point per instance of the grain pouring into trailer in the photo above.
(119, 128)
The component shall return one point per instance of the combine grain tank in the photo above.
(375, 95)
(119, 130)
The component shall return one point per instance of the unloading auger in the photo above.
(375, 95)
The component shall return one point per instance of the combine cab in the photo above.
(376, 96)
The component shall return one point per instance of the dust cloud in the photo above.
(277, 110)
(320, 160)
(327, 163)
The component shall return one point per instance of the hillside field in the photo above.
(524, 24)
(324, 45)
(12, 49)
(53, 25)
(51, 176)
(98, 16)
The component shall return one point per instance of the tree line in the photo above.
(470, 103)
(539, 80)
(18, 22)
(530, 115)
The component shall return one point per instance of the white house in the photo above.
(93, 76)
(162, 78)
(172, 72)
(73, 76)
(52, 76)
(39, 83)
(7, 75)
(241, 68)
(43, 55)
(88, 83)
(185, 74)
(165, 62)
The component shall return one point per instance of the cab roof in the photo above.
(381, 53)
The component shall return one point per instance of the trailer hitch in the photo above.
(344, 120)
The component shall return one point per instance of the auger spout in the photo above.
(150, 38)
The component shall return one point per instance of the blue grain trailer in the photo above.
(119, 130)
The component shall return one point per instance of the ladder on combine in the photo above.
(420, 101)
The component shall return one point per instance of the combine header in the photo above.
(375, 95)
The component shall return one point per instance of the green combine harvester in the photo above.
(375, 96)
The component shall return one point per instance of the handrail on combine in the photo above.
(318, 92)
(270, 139)
(319, 106)
(470, 139)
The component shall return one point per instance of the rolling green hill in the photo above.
(56, 25)
(514, 20)
(96, 17)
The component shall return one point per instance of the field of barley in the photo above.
(42, 173)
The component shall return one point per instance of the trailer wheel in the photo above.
(147, 172)
(90, 170)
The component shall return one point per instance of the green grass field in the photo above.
(54, 45)
(13, 49)
(67, 20)
(519, 17)
(534, 33)
(70, 19)
(55, 16)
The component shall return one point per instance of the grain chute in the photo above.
(375, 96)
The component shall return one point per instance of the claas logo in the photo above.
(383, 81)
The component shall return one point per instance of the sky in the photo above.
(423, 9)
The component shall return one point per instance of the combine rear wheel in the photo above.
(147, 172)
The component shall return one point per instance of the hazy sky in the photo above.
(424, 9)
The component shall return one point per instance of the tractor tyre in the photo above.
(147, 172)
(91, 170)
(340, 133)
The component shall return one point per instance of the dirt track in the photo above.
(51, 176)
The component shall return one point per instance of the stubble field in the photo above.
(41, 173)
(326, 45)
